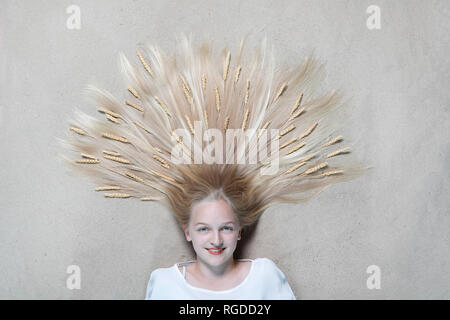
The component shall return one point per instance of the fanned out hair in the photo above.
(129, 152)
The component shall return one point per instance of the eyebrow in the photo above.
(228, 222)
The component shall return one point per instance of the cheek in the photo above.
(231, 237)
(198, 238)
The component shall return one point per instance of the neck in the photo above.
(207, 271)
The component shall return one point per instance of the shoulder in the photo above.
(160, 278)
(268, 266)
(161, 273)
(274, 279)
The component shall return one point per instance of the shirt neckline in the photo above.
(215, 291)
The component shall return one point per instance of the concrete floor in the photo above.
(396, 217)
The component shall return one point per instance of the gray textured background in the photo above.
(396, 217)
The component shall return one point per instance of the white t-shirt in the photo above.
(265, 281)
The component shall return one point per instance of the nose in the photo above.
(216, 241)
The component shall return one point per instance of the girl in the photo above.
(214, 230)
(134, 151)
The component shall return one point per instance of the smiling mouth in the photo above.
(215, 251)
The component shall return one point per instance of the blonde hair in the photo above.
(213, 182)
(215, 195)
(128, 152)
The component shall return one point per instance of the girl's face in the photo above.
(214, 232)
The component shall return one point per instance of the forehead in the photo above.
(212, 212)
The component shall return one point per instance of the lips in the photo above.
(215, 251)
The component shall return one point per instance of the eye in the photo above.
(228, 228)
(203, 229)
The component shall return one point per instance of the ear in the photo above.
(239, 235)
(186, 233)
